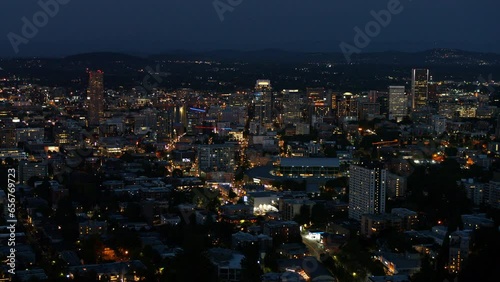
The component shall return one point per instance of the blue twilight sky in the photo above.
(151, 26)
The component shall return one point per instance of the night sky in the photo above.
(151, 26)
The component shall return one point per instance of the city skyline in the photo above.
(300, 173)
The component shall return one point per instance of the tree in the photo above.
(482, 264)
(406, 121)
(177, 173)
(426, 272)
(330, 152)
(9, 161)
(133, 211)
(319, 214)
(181, 268)
(271, 261)
(127, 240)
(232, 195)
(91, 249)
(44, 191)
(251, 270)
(368, 140)
(396, 241)
(304, 216)
(65, 217)
(32, 180)
(83, 188)
(291, 185)
(451, 151)
(337, 182)
(127, 157)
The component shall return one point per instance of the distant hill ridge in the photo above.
(440, 56)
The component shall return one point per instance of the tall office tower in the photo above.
(347, 106)
(264, 104)
(259, 111)
(292, 107)
(180, 114)
(382, 98)
(367, 189)
(331, 100)
(373, 95)
(433, 91)
(419, 88)
(95, 96)
(398, 102)
(319, 104)
(195, 118)
(368, 109)
(320, 110)
(277, 98)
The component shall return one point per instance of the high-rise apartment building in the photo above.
(8, 136)
(367, 189)
(95, 96)
(460, 244)
(28, 169)
(419, 88)
(216, 157)
(397, 103)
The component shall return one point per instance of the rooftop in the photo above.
(310, 162)
(225, 258)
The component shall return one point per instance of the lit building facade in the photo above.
(29, 169)
(27, 134)
(216, 157)
(460, 242)
(95, 96)
(397, 103)
(419, 88)
(309, 167)
(263, 102)
(367, 194)
(292, 107)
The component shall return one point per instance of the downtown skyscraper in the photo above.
(95, 97)
(419, 88)
(293, 106)
(398, 103)
(263, 102)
